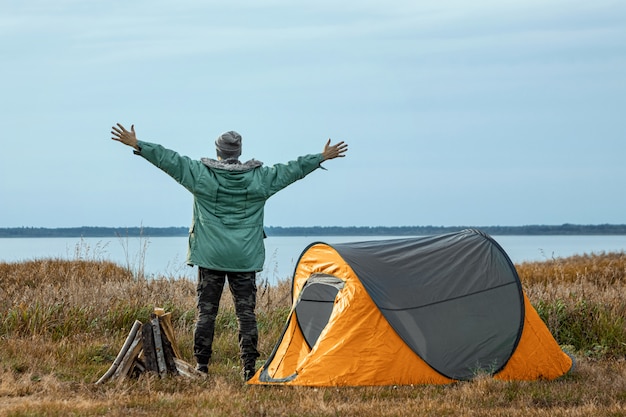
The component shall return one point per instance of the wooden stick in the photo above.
(149, 354)
(129, 359)
(168, 330)
(129, 339)
(187, 370)
(158, 346)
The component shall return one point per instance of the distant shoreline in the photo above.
(111, 232)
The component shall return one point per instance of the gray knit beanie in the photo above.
(228, 145)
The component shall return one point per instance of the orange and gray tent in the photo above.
(424, 310)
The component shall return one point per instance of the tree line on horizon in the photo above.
(122, 232)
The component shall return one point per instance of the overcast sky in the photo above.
(456, 113)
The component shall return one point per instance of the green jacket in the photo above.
(226, 233)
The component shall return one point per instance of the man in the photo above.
(226, 235)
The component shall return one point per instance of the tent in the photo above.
(424, 310)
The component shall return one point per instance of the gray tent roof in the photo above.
(455, 299)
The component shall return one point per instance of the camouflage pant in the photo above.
(242, 287)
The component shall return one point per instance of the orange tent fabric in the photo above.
(538, 356)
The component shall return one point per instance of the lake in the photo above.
(166, 255)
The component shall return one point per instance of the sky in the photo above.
(489, 112)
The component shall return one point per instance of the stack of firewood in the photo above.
(149, 347)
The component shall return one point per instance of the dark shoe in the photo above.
(202, 368)
(248, 373)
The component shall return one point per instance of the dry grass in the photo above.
(582, 300)
(62, 322)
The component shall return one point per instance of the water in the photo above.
(166, 255)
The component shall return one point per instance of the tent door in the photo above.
(315, 305)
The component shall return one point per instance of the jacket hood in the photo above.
(230, 165)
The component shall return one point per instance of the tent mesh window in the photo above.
(315, 305)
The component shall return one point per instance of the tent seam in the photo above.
(449, 299)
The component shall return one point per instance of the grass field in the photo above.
(63, 322)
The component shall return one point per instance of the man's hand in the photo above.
(334, 151)
(120, 134)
